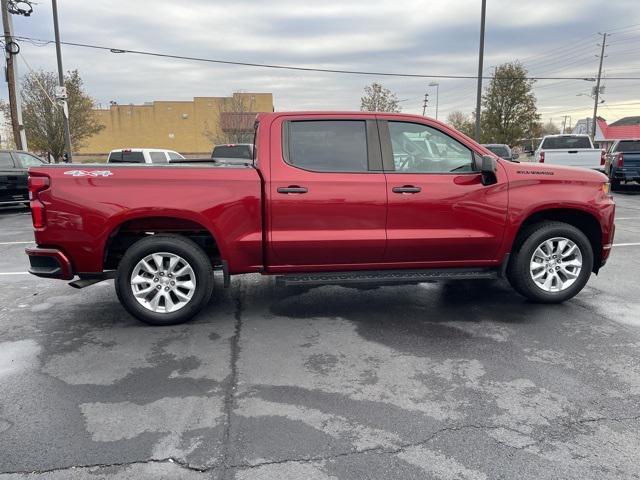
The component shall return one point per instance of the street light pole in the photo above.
(62, 100)
(480, 61)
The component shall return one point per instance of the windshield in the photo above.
(500, 150)
(628, 146)
(232, 151)
(568, 142)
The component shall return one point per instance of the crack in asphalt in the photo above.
(320, 458)
(229, 397)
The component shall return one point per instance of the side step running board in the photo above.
(384, 277)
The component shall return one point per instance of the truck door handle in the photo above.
(292, 189)
(406, 189)
(573, 151)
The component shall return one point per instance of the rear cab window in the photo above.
(232, 151)
(628, 146)
(567, 142)
(327, 145)
(126, 157)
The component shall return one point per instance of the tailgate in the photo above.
(573, 158)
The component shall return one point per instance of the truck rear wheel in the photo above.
(552, 263)
(164, 279)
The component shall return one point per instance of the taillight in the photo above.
(620, 160)
(603, 157)
(36, 185)
(541, 156)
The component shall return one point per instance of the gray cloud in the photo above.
(416, 36)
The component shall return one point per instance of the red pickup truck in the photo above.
(330, 198)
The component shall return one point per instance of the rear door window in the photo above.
(158, 157)
(175, 156)
(561, 143)
(328, 145)
(5, 160)
(25, 160)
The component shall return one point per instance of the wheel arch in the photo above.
(583, 220)
(132, 228)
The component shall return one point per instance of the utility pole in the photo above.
(424, 104)
(597, 92)
(480, 62)
(437, 85)
(15, 101)
(62, 95)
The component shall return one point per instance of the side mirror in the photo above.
(515, 156)
(489, 170)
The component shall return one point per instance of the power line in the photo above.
(297, 68)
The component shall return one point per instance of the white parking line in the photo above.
(16, 243)
(627, 218)
(626, 244)
(14, 273)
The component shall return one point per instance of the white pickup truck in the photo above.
(569, 150)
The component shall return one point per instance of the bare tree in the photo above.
(378, 99)
(461, 122)
(235, 120)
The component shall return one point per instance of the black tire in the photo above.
(173, 244)
(518, 272)
(615, 184)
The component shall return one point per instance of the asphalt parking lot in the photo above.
(444, 381)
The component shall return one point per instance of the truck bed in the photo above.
(86, 204)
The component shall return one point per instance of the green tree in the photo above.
(42, 117)
(378, 99)
(508, 105)
(461, 122)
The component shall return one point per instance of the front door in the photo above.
(439, 211)
(327, 195)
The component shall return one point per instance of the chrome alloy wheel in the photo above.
(163, 282)
(556, 264)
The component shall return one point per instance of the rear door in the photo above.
(439, 211)
(8, 178)
(327, 199)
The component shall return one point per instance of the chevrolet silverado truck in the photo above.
(570, 150)
(329, 198)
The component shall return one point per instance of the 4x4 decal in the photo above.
(88, 173)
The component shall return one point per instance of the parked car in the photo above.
(143, 155)
(336, 198)
(569, 150)
(529, 145)
(622, 162)
(235, 153)
(14, 165)
(502, 150)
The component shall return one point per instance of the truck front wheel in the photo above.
(552, 263)
(164, 279)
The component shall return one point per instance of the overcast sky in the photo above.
(551, 37)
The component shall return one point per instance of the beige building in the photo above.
(190, 128)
